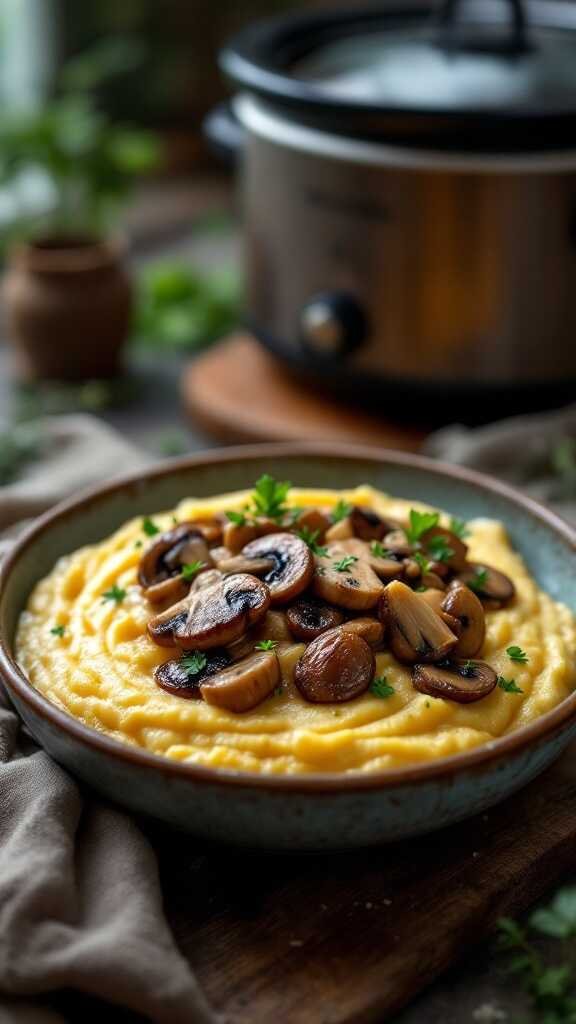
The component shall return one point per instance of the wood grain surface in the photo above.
(351, 938)
(238, 392)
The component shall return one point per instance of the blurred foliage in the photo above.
(19, 445)
(89, 163)
(179, 307)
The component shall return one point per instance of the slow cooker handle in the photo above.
(515, 42)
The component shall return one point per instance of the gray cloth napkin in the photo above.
(80, 899)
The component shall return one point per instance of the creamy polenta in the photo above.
(94, 658)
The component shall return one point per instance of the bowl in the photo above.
(303, 812)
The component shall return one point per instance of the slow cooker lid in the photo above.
(461, 73)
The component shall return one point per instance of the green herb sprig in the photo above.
(509, 685)
(344, 564)
(380, 687)
(265, 645)
(194, 662)
(378, 550)
(459, 527)
(517, 654)
(115, 594)
(439, 548)
(269, 496)
(310, 537)
(149, 527)
(340, 511)
(478, 581)
(190, 569)
(420, 523)
(58, 631)
(238, 518)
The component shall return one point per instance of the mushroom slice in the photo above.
(342, 530)
(220, 614)
(435, 598)
(292, 560)
(415, 631)
(243, 685)
(239, 563)
(161, 627)
(346, 580)
(385, 568)
(371, 630)
(367, 524)
(206, 579)
(274, 626)
(438, 540)
(308, 618)
(237, 535)
(335, 667)
(159, 571)
(462, 681)
(176, 678)
(397, 544)
(211, 528)
(311, 519)
(461, 603)
(488, 583)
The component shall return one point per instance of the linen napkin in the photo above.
(80, 899)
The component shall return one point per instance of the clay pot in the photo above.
(68, 305)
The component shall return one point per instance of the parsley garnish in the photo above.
(439, 548)
(420, 523)
(266, 645)
(310, 538)
(238, 518)
(189, 570)
(149, 527)
(423, 562)
(468, 668)
(115, 594)
(58, 630)
(378, 550)
(138, 544)
(509, 685)
(459, 527)
(344, 564)
(340, 511)
(269, 496)
(517, 654)
(380, 687)
(478, 581)
(194, 662)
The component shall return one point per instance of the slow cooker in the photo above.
(408, 180)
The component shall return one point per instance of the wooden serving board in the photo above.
(351, 938)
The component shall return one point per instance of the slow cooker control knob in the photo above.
(332, 324)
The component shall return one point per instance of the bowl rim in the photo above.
(311, 782)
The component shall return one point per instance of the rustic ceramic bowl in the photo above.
(306, 812)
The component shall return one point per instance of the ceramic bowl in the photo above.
(306, 812)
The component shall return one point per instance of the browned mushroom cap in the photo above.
(311, 519)
(367, 524)
(335, 667)
(462, 681)
(348, 584)
(159, 572)
(432, 581)
(435, 598)
(385, 568)
(243, 685)
(161, 627)
(463, 605)
(446, 541)
(488, 583)
(342, 530)
(237, 535)
(415, 631)
(308, 618)
(292, 560)
(371, 630)
(274, 626)
(239, 563)
(220, 614)
(211, 528)
(397, 544)
(176, 678)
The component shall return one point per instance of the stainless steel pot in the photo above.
(417, 252)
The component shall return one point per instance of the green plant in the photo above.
(87, 162)
(179, 307)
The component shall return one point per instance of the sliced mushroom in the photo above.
(212, 528)
(206, 579)
(371, 630)
(385, 568)
(462, 681)
(435, 598)
(308, 618)
(356, 587)
(161, 627)
(415, 631)
(461, 603)
(313, 520)
(433, 581)
(243, 685)
(342, 530)
(455, 561)
(488, 583)
(398, 544)
(236, 535)
(174, 677)
(274, 626)
(220, 614)
(367, 524)
(292, 560)
(335, 667)
(159, 572)
(239, 563)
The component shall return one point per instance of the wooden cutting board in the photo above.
(351, 938)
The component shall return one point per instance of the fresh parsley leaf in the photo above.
(380, 687)
(517, 654)
(340, 511)
(138, 544)
(478, 581)
(343, 565)
(378, 550)
(423, 562)
(310, 538)
(194, 662)
(420, 523)
(58, 630)
(149, 527)
(439, 548)
(509, 685)
(459, 527)
(116, 594)
(238, 518)
(189, 570)
(266, 645)
(269, 496)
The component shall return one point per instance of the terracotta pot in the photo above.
(68, 304)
